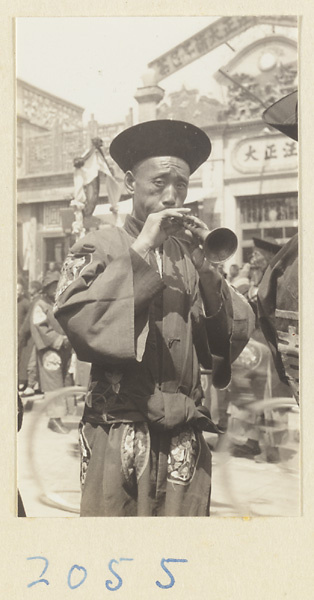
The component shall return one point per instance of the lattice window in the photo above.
(52, 215)
(272, 208)
(273, 216)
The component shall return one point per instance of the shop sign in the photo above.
(264, 154)
(209, 38)
(201, 43)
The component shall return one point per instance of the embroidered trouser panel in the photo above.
(131, 470)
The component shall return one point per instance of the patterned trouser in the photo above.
(131, 470)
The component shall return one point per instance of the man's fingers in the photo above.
(193, 222)
(173, 219)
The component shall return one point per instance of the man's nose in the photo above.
(169, 197)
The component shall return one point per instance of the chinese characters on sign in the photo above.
(199, 44)
(219, 32)
(261, 153)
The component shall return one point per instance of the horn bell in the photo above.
(219, 244)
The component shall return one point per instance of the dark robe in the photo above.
(146, 335)
(52, 355)
(279, 315)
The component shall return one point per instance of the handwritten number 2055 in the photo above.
(78, 574)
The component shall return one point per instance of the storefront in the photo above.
(267, 216)
(250, 184)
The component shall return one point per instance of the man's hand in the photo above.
(195, 231)
(200, 230)
(157, 228)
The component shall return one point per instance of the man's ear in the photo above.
(129, 181)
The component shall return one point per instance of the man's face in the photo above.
(33, 291)
(234, 270)
(258, 260)
(158, 183)
(51, 290)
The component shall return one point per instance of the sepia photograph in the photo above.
(157, 222)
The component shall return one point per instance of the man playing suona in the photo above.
(146, 309)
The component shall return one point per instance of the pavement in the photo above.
(48, 471)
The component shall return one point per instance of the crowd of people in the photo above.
(148, 311)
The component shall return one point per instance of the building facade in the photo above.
(249, 183)
(50, 134)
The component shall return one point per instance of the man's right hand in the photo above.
(157, 228)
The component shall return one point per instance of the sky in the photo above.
(97, 63)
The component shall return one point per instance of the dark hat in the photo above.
(267, 244)
(283, 115)
(50, 278)
(160, 138)
(35, 285)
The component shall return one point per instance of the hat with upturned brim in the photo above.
(267, 244)
(283, 115)
(50, 278)
(163, 137)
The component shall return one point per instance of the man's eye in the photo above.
(181, 186)
(159, 182)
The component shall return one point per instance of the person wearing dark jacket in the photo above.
(145, 308)
(279, 315)
(278, 294)
(255, 382)
(53, 350)
(26, 345)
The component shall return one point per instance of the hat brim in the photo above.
(266, 246)
(161, 138)
(48, 280)
(283, 115)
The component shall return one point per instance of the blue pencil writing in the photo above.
(40, 580)
(109, 583)
(171, 577)
(76, 568)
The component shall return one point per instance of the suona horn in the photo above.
(218, 244)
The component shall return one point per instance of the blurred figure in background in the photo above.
(275, 292)
(242, 281)
(233, 273)
(278, 313)
(278, 295)
(28, 362)
(53, 269)
(53, 351)
(253, 374)
(263, 252)
(22, 310)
